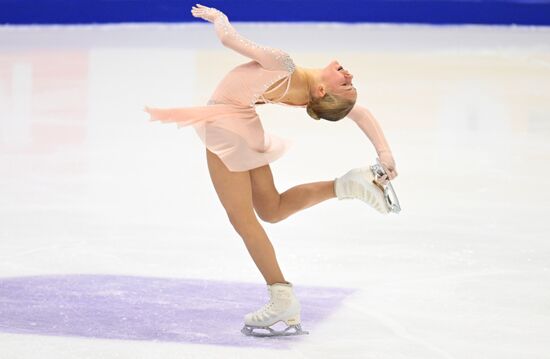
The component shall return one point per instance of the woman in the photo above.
(238, 152)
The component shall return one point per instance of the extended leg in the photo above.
(273, 207)
(235, 193)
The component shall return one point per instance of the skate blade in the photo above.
(390, 197)
(249, 331)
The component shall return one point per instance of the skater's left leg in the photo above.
(272, 206)
(235, 193)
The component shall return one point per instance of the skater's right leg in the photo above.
(273, 206)
(235, 193)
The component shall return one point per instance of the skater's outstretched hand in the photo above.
(386, 159)
(206, 13)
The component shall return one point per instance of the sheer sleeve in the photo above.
(268, 57)
(368, 124)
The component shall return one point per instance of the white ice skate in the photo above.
(283, 306)
(361, 183)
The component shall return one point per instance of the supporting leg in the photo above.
(235, 193)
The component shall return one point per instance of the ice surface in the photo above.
(143, 308)
(90, 189)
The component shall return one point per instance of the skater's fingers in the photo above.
(206, 8)
(383, 179)
(200, 14)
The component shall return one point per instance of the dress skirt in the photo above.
(231, 131)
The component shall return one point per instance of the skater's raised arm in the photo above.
(370, 126)
(270, 58)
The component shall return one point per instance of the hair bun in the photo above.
(330, 107)
(312, 113)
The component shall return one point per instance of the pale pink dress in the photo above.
(229, 125)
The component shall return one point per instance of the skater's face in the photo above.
(338, 80)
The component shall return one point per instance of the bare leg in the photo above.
(273, 207)
(235, 193)
(304, 196)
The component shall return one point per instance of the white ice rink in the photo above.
(89, 186)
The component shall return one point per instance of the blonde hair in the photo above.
(330, 107)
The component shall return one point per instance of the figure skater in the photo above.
(238, 153)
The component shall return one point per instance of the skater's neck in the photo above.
(301, 82)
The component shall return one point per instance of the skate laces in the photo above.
(265, 310)
(357, 183)
(279, 300)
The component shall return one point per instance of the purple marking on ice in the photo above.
(143, 308)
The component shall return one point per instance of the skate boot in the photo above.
(283, 306)
(358, 183)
